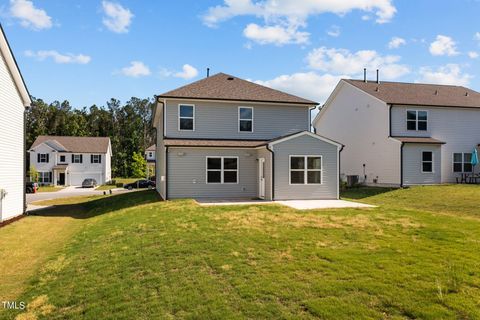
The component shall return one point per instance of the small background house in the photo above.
(68, 161)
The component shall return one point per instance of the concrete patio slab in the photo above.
(296, 204)
(322, 204)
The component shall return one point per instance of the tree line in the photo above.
(128, 125)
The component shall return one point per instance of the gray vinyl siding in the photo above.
(305, 145)
(264, 153)
(187, 174)
(215, 120)
(459, 128)
(412, 164)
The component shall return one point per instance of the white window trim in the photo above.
(240, 119)
(178, 116)
(98, 156)
(416, 119)
(305, 179)
(44, 160)
(433, 162)
(41, 176)
(222, 170)
(462, 163)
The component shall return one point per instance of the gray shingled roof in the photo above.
(420, 94)
(226, 87)
(213, 143)
(75, 144)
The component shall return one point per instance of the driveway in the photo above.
(67, 192)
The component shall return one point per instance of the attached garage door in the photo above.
(76, 179)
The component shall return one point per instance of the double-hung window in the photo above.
(222, 169)
(42, 157)
(427, 162)
(245, 119)
(417, 120)
(77, 158)
(186, 117)
(305, 169)
(44, 177)
(96, 158)
(62, 159)
(462, 162)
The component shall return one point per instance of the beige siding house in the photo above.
(14, 98)
(67, 161)
(402, 133)
(224, 137)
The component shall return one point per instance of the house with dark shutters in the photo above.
(67, 161)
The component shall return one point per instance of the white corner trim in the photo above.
(14, 71)
(311, 134)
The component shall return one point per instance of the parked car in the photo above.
(31, 187)
(140, 184)
(89, 183)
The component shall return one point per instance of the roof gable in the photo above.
(226, 87)
(74, 144)
(420, 94)
(7, 54)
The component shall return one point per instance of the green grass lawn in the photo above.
(129, 256)
(49, 189)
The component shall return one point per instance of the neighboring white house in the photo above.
(70, 160)
(150, 154)
(402, 133)
(14, 98)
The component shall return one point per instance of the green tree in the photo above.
(138, 166)
(33, 174)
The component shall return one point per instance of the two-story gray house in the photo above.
(402, 133)
(224, 137)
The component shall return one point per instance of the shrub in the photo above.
(119, 185)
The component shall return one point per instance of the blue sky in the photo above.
(91, 50)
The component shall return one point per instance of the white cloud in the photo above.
(117, 18)
(277, 35)
(188, 72)
(443, 45)
(29, 15)
(58, 57)
(447, 74)
(473, 54)
(342, 61)
(476, 36)
(136, 69)
(396, 42)
(333, 31)
(310, 85)
(286, 17)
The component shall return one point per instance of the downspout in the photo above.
(339, 166)
(401, 164)
(390, 120)
(166, 173)
(273, 171)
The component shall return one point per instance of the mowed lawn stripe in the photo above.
(176, 259)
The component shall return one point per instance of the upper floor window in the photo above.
(96, 158)
(417, 120)
(62, 159)
(77, 158)
(427, 162)
(305, 170)
(245, 119)
(186, 117)
(43, 157)
(462, 162)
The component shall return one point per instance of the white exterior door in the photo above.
(261, 178)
